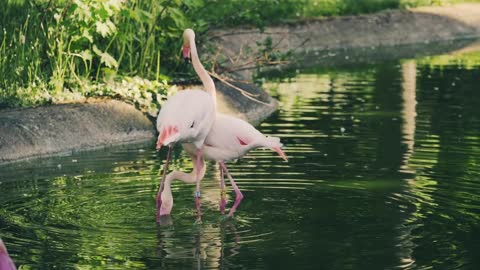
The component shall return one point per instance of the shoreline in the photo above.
(28, 133)
(359, 34)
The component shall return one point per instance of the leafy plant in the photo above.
(49, 48)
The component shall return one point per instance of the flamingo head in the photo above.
(274, 144)
(167, 203)
(188, 37)
(170, 134)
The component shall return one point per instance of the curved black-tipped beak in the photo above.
(187, 60)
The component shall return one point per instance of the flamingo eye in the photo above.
(192, 125)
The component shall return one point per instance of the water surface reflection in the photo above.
(383, 174)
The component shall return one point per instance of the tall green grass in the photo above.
(52, 47)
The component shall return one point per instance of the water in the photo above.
(383, 174)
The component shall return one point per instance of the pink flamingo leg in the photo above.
(223, 195)
(162, 181)
(197, 179)
(238, 193)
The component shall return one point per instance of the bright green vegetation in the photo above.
(64, 50)
(468, 60)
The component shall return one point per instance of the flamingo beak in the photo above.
(168, 135)
(186, 53)
(280, 153)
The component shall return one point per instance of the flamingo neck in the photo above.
(253, 145)
(261, 142)
(207, 81)
(167, 197)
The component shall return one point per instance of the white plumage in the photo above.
(231, 138)
(190, 113)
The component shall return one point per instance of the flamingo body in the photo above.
(186, 117)
(231, 138)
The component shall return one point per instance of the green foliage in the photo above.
(467, 60)
(62, 44)
(260, 13)
(52, 47)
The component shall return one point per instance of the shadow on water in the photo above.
(382, 173)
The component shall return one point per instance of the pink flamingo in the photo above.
(187, 117)
(6, 262)
(229, 138)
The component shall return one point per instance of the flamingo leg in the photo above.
(223, 195)
(199, 166)
(162, 182)
(238, 193)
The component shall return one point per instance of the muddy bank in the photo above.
(316, 39)
(34, 132)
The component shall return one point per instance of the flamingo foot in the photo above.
(197, 203)
(159, 205)
(225, 218)
(223, 201)
(165, 220)
(238, 199)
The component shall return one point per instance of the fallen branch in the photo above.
(243, 92)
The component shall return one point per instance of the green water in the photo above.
(383, 174)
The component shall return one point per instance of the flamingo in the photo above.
(6, 262)
(229, 138)
(187, 117)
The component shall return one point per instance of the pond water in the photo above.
(384, 173)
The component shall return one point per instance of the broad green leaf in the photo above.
(87, 35)
(143, 16)
(86, 55)
(105, 58)
(102, 28)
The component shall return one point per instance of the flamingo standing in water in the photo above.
(187, 117)
(229, 138)
(6, 262)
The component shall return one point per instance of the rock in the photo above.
(47, 130)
